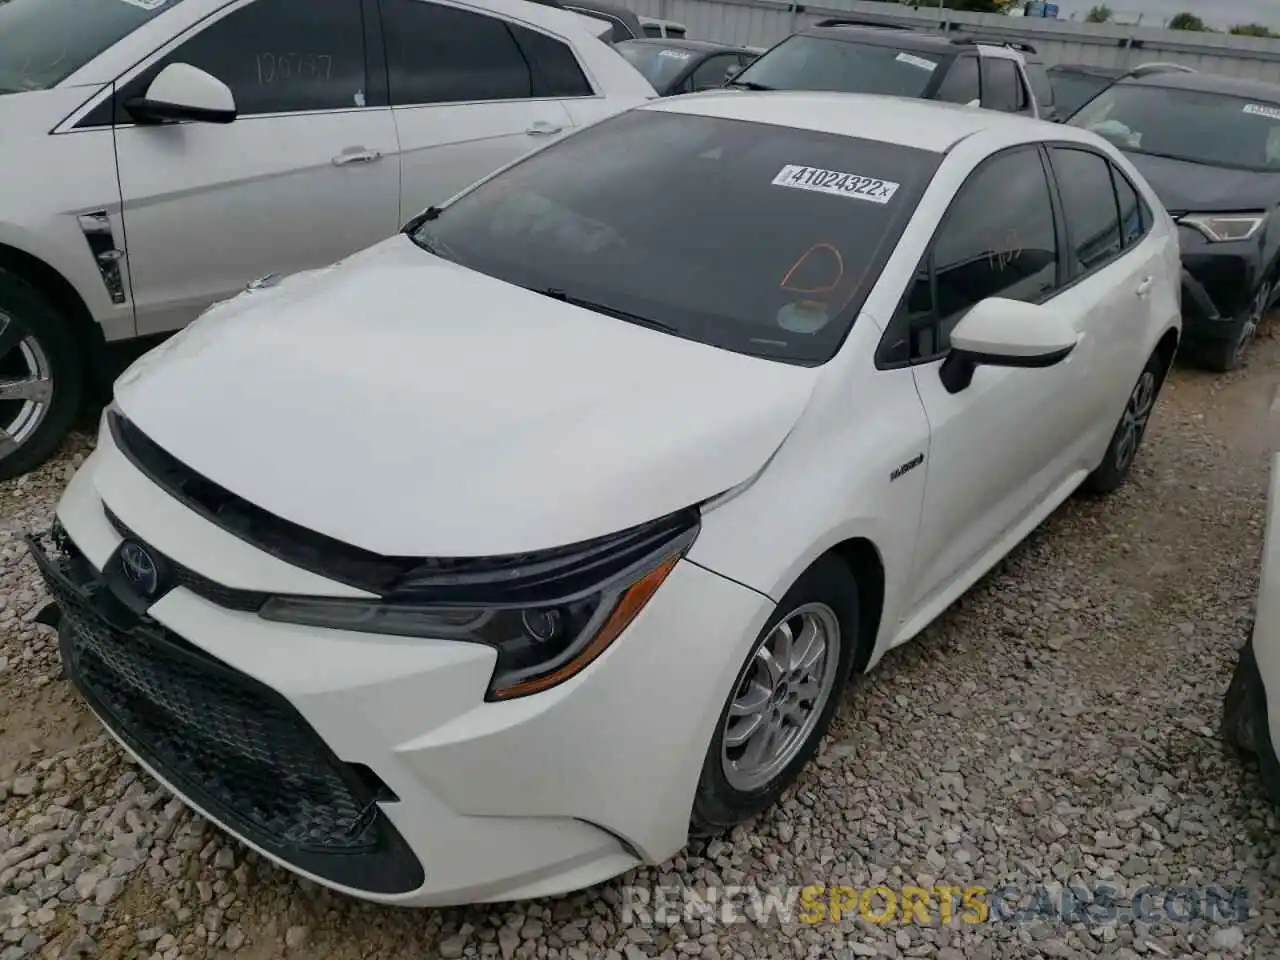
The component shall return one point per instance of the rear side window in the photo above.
(439, 54)
(1089, 203)
(998, 239)
(960, 85)
(1135, 218)
(554, 68)
(1001, 85)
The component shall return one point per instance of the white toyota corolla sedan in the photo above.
(499, 557)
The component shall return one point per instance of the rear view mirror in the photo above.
(732, 71)
(1005, 333)
(182, 92)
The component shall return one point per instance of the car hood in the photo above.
(1185, 187)
(412, 407)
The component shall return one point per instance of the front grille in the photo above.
(232, 598)
(233, 745)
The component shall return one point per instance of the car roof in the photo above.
(1108, 72)
(684, 43)
(884, 36)
(923, 124)
(1209, 83)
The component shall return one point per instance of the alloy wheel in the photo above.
(780, 696)
(1134, 422)
(26, 386)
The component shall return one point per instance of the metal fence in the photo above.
(765, 22)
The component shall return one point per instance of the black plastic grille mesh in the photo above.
(221, 736)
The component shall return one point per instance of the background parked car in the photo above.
(684, 66)
(1210, 146)
(132, 202)
(850, 57)
(654, 27)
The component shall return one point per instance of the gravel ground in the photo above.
(1058, 726)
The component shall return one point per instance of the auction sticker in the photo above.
(836, 182)
(1261, 110)
(146, 4)
(915, 61)
(675, 54)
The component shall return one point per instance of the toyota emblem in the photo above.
(140, 568)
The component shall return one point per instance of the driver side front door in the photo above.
(307, 174)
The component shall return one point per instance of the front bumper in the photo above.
(1218, 280)
(372, 764)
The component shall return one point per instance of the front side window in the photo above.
(759, 239)
(42, 42)
(961, 85)
(1180, 124)
(278, 56)
(442, 54)
(1001, 85)
(997, 240)
(1089, 204)
(820, 63)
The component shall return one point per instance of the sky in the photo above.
(1219, 14)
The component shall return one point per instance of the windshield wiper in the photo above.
(557, 294)
(418, 220)
(750, 85)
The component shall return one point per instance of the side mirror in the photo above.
(732, 71)
(183, 92)
(1005, 333)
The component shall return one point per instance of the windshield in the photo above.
(660, 65)
(1071, 90)
(45, 41)
(759, 239)
(1209, 128)
(820, 63)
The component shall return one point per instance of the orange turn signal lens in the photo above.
(630, 604)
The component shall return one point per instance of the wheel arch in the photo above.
(1167, 347)
(63, 295)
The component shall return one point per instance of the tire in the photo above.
(731, 788)
(1127, 437)
(41, 377)
(1223, 356)
(1245, 724)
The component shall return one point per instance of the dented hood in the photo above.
(412, 407)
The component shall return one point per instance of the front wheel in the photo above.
(41, 377)
(783, 699)
(1127, 438)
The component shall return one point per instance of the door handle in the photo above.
(542, 128)
(1144, 287)
(356, 155)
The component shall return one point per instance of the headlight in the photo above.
(1221, 227)
(592, 593)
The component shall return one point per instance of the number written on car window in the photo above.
(289, 66)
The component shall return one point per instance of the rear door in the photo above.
(306, 175)
(1112, 272)
(470, 92)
